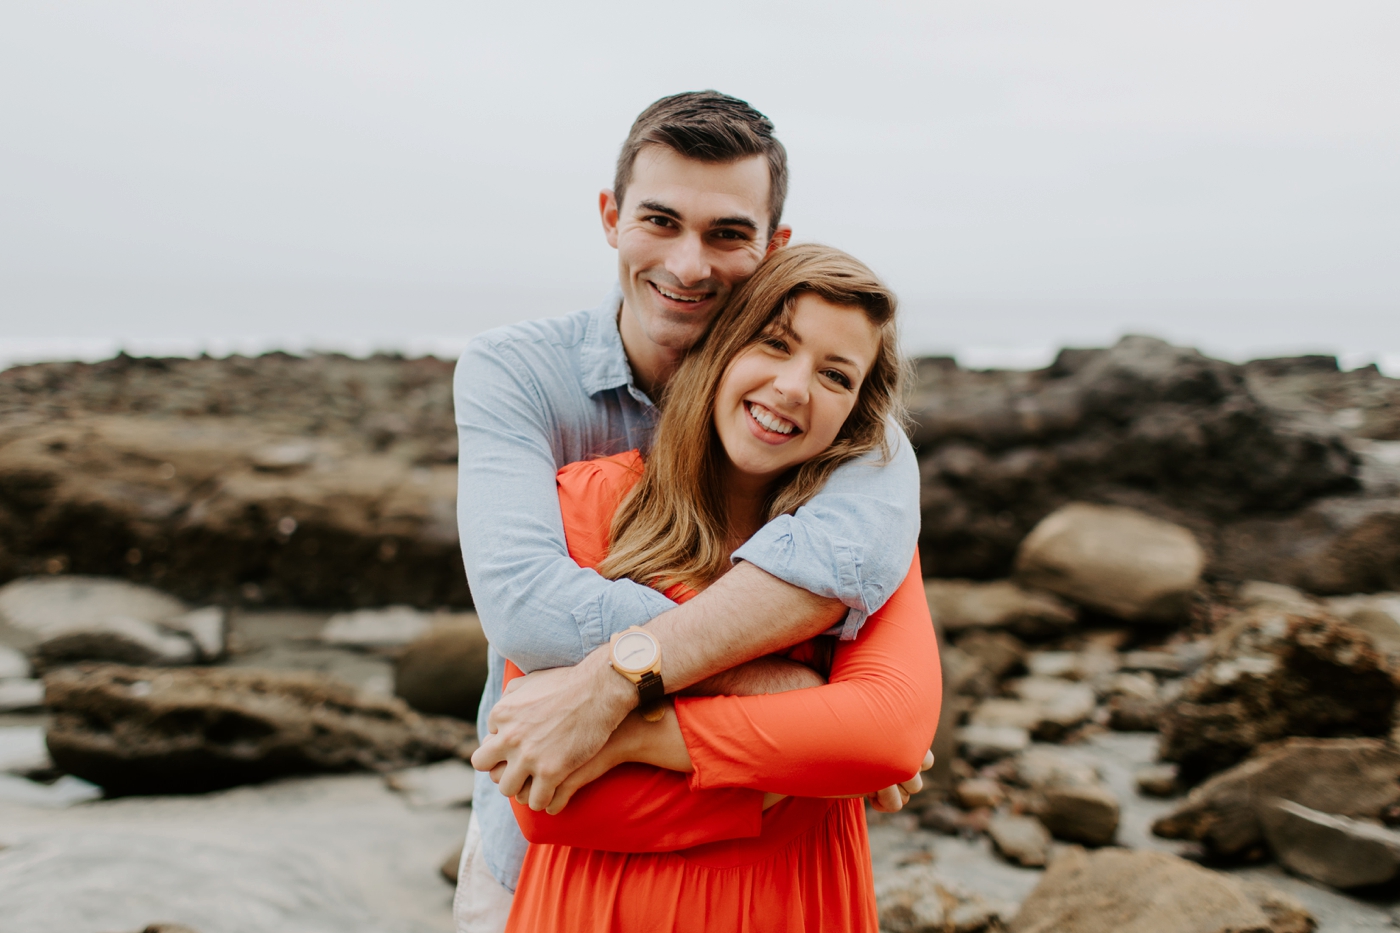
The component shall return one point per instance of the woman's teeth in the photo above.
(674, 297)
(770, 422)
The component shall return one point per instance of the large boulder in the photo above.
(172, 730)
(1117, 891)
(1348, 777)
(1275, 673)
(444, 671)
(1143, 424)
(321, 482)
(1117, 560)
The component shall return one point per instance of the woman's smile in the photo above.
(767, 425)
(784, 399)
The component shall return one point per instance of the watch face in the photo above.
(635, 652)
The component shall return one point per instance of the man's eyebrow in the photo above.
(660, 208)
(748, 223)
(745, 222)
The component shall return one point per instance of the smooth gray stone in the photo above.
(1335, 850)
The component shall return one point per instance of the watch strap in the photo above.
(650, 690)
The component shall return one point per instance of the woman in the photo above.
(721, 815)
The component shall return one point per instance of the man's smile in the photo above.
(678, 296)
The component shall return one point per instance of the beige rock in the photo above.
(115, 638)
(1376, 614)
(1286, 913)
(1021, 839)
(958, 605)
(999, 652)
(1043, 766)
(989, 743)
(1079, 814)
(1349, 777)
(444, 671)
(1117, 891)
(162, 730)
(1157, 781)
(1117, 560)
(43, 605)
(1335, 850)
(975, 793)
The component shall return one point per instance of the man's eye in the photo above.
(660, 220)
(730, 235)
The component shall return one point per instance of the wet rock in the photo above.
(1286, 913)
(236, 487)
(1128, 713)
(1377, 615)
(958, 605)
(1067, 795)
(1118, 891)
(1046, 706)
(21, 695)
(1157, 781)
(444, 671)
(116, 638)
(916, 899)
(989, 743)
(1021, 839)
(1273, 674)
(1117, 560)
(40, 606)
(376, 628)
(1144, 424)
(444, 784)
(1165, 663)
(207, 628)
(975, 793)
(1335, 850)
(171, 730)
(13, 664)
(1042, 766)
(1254, 593)
(1079, 814)
(999, 653)
(1349, 777)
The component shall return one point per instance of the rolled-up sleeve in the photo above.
(537, 606)
(854, 540)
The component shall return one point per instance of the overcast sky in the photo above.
(405, 174)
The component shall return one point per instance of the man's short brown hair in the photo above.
(711, 127)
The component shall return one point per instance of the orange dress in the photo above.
(645, 849)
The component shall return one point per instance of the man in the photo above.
(695, 206)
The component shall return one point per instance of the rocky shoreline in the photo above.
(1166, 588)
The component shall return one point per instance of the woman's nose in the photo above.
(793, 382)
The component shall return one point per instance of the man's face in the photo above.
(687, 235)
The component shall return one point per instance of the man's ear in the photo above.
(779, 239)
(607, 209)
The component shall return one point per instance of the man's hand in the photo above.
(893, 798)
(550, 723)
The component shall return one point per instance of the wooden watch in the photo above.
(636, 655)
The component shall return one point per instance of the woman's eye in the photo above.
(775, 343)
(838, 377)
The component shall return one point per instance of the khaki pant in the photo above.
(481, 904)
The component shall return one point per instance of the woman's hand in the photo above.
(893, 798)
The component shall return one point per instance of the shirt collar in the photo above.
(604, 361)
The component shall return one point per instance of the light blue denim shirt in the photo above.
(533, 397)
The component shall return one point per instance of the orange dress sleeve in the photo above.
(868, 728)
(632, 808)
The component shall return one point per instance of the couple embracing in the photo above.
(688, 518)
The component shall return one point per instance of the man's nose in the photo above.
(687, 260)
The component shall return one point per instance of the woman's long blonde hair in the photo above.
(674, 525)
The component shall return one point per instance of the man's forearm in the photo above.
(745, 614)
(759, 677)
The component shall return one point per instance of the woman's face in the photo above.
(783, 399)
